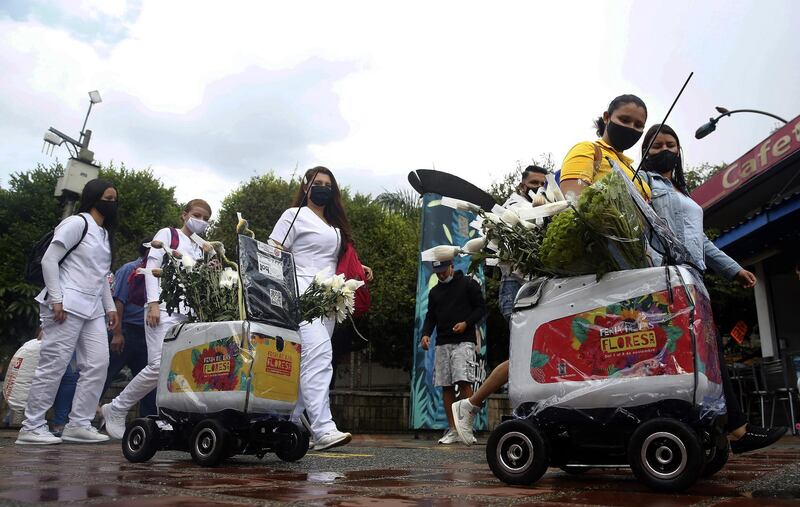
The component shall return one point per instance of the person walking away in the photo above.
(195, 217)
(73, 307)
(455, 306)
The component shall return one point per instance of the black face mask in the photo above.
(321, 195)
(662, 162)
(622, 137)
(108, 209)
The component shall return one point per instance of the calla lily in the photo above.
(493, 218)
(337, 282)
(187, 262)
(228, 278)
(353, 285)
(474, 245)
(460, 205)
(510, 218)
(440, 253)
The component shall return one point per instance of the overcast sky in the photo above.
(208, 94)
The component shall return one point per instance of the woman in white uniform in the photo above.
(316, 231)
(195, 218)
(73, 308)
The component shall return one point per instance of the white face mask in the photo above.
(446, 280)
(196, 225)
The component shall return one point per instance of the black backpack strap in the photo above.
(83, 235)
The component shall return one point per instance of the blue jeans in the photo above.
(134, 355)
(508, 293)
(62, 405)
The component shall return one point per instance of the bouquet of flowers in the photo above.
(208, 287)
(601, 232)
(329, 296)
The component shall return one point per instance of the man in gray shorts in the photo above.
(455, 306)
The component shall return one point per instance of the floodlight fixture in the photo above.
(94, 97)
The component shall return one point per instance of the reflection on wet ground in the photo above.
(374, 470)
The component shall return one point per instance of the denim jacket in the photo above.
(685, 218)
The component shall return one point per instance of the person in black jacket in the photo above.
(455, 306)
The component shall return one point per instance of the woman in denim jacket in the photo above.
(670, 199)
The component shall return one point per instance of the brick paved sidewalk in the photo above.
(373, 470)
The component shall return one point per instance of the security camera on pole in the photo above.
(80, 167)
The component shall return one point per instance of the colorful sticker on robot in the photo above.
(276, 368)
(642, 336)
(214, 366)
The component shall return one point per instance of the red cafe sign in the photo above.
(784, 142)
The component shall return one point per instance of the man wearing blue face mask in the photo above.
(455, 306)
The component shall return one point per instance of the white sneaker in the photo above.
(39, 436)
(332, 439)
(83, 435)
(450, 437)
(114, 421)
(464, 418)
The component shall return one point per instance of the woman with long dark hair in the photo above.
(316, 231)
(670, 199)
(73, 308)
(195, 217)
(618, 129)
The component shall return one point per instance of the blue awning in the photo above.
(786, 207)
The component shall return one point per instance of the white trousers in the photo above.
(316, 371)
(147, 379)
(88, 338)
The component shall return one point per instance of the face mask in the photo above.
(321, 195)
(662, 162)
(196, 225)
(446, 280)
(108, 209)
(622, 137)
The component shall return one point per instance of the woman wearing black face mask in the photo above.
(73, 308)
(619, 128)
(664, 171)
(317, 232)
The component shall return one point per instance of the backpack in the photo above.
(137, 292)
(33, 270)
(350, 266)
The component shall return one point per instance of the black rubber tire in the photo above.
(294, 441)
(517, 453)
(210, 443)
(573, 470)
(141, 440)
(718, 459)
(666, 455)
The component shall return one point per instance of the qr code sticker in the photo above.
(273, 268)
(276, 298)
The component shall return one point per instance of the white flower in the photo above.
(460, 205)
(493, 218)
(321, 277)
(187, 262)
(440, 253)
(510, 218)
(352, 285)
(228, 278)
(474, 245)
(337, 282)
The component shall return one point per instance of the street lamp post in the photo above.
(80, 167)
(711, 126)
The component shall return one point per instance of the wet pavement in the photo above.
(373, 470)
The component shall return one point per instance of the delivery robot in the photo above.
(618, 372)
(228, 388)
